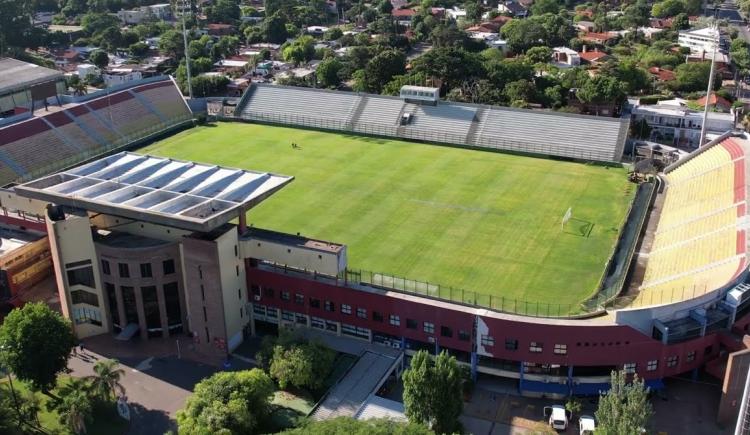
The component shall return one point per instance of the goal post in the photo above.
(566, 217)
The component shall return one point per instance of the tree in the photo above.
(601, 89)
(15, 23)
(224, 11)
(74, 406)
(227, 403)
(171, 44)
(451, 65)
(473, 11)
(328, 72)
(299, 51)
(204, 85)
(385, 7)
(36, 344)
(624, 409)
(680, 22)
(274, 29)
(350, 426)
(538, 54)
(301, 365)
(433, 391)
(541, 7)
(667, 8)
(693, 77)
(94, 23)
(381, 69)
(100, 58)
(334, 34)
(520, 91)
(545, 30)
(106, 381)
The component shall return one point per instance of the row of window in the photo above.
(84, 297)
(653, 364)
(393, 319)
(123, 269)
(87, 315)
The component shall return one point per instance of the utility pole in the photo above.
(702, 137)
(186, 3)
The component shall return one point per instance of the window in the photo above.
(346, 309)
(317, 322)
(299, 299)
(314, 303)
(236, 253)
(329, 306)
(168, 266)
(287, 315)
(560, 349)
(487, 340)
(240, 313)
(84, 297)
(200, 272)
(511, 344)
(362, 313)
(285, 296)
(237, 270)
(690, 356)
(105, 267)
(629, 367)
(394, 320)
(377, 316)
(411, 323)
(203, 293)
(463, 335)
(87, 315)
(124, 270)
(146, 270)
(82, 276)
(652, 365)
(536, 347)
(708, 350)
(301, 318)
(428, 327)
(446, 331)
(268, 292)
(672, 361)
(205, 315)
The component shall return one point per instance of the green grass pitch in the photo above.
(476, 220)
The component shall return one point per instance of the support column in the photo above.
(120, 307)
(252, 319)
(242, 227)
(570, 380)
(474, 363)
(141, 313)
(161, 301)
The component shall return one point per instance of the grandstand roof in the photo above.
(15, 74)
(187, 195)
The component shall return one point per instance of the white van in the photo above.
(558, 416)
(587, 425)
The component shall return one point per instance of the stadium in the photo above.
(512, 238)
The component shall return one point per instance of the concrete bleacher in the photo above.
(519, 130)
(301, 105)
(69, 135)
(699, 244)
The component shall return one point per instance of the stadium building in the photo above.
(145, 246)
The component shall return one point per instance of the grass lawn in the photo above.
(288, 408)
(481, 221)
(106, 420)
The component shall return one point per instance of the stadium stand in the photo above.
(699, 244)
(520, 130)
(77, 132)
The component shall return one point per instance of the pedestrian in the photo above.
(80, 347)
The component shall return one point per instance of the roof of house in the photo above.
(715, 100)
(488, 27)
(660, 23)
(514, 7)
(597, 36)
(16, 74)
(593, 56)
(403, 12)
(502, 19)
(663, 75)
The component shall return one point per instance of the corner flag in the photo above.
(566, 217)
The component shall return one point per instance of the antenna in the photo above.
(184, 40)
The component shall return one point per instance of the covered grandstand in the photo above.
(519, 130)
(91, 126)
(23, 83)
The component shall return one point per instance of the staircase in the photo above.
(408, 108)
(479, 117)
(354, 118)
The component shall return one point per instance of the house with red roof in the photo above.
(661, 75)
(720, 103)
(599, 37)
(594, 57)
(404, 16)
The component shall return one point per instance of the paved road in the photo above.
(156, 388)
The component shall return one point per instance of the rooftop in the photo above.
(15, 74)
(186, 195)
(292, 240)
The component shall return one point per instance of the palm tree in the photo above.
(74, 406)
(106, 382)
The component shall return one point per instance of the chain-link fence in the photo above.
(470, 139)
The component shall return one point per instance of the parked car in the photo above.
(559, 417)
(586, 425)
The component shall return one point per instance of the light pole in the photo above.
(3, 348)
(185, 41)
(702, 137)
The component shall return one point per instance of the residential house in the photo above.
(660, 23)
(722, 61)
(585, 26)
(159, 12)
(649, 32)
(118, 76)
(317, 30)
(594, 57)
(679, 125)
(485, 27)
(565, 57)
(661, 75)
(219, 29)
(455, 13)
(403, 16)
(66, 57)
(718, 102)
(513, 8)
(600, 38)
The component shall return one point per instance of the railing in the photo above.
(433, 136)
(123, 142)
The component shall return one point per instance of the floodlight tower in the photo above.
(186, 4)
(715, 44)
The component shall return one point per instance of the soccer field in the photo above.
(481, 221)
